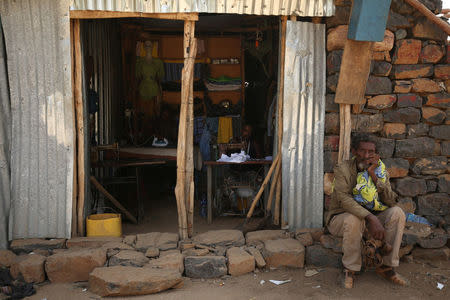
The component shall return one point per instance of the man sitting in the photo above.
(363, 196)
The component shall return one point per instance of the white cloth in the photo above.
(235, 157)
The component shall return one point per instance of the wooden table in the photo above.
(137, 164)
(211, 164)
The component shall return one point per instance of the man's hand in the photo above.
(376, 229)
(373, 162)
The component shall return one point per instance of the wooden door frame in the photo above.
(78, 199)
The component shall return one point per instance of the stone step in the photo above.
(74, 265)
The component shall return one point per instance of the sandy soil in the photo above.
(325, 285)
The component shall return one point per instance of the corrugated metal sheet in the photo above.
(303, 125)
(5, 146)
(37, 35)
(251, 7)
(101, 42)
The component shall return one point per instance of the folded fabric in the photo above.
(223, 79)
(222, 87)
(365, 191)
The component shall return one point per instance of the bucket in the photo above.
(104, 225)
(242, 203)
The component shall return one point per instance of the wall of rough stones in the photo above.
(407, 106)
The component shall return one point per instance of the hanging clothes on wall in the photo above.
(225, 133)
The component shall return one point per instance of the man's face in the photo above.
(246, 132)
(365, 152)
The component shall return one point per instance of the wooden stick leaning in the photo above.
(112, 199)
(273, 187)
(263, 186)
(430, 15)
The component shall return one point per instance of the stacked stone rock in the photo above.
(152, 262)
(407, 108)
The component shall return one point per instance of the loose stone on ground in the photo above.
(239, 262)
(131, 281)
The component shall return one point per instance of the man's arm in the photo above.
(385, 192)
(344, 193)
(387, 196)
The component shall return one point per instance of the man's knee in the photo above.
(353, 223)
(397, 214)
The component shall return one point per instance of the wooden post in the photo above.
(276, 216)
(190, 54)
(185, 141)
(74, 226)
(79, 125)
(209, 192)
(345, 132)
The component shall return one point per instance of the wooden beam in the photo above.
(430, 15)
(113, 200)
(276, 215)
(190, 53)
(103, 14)
(355, 69)
(79, 117)
(183, 191)
(345, 132)
(74, 227)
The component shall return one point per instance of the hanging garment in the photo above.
(199, 125)
(365, 191)
(225, 133)
(149, 72)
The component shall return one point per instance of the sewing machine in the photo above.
(231, 148)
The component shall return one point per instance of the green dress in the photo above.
(149, 73)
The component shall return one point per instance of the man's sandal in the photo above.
(348, 278)
(389, 274)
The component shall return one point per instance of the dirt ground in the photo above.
(161, 215)
(423, 277)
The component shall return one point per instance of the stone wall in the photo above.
(407, 106)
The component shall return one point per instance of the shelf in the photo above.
(174, 97)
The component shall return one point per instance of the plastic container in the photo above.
(104, 225)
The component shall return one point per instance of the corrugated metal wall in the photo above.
(251, 7)
(101, 41)
(37, 35)
(303, 125)
(5, 146)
